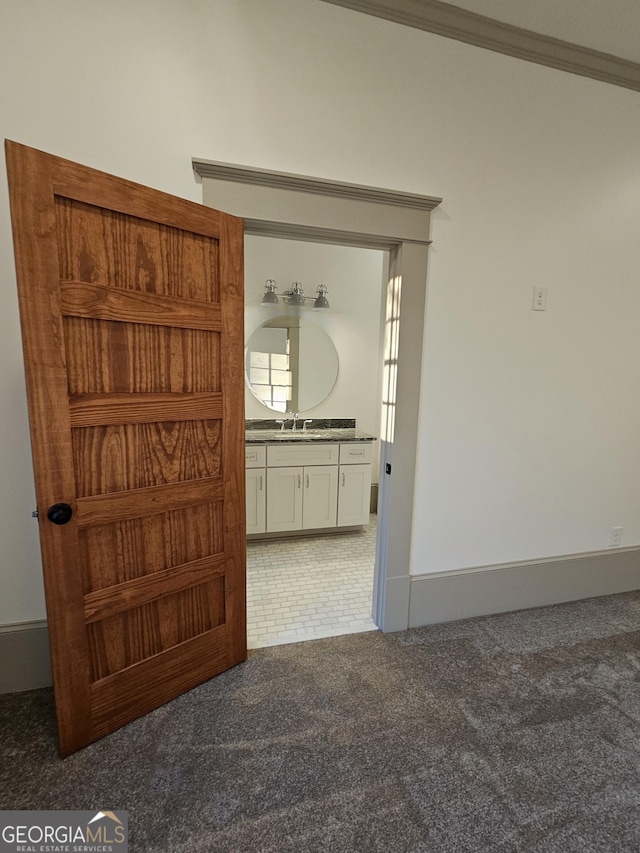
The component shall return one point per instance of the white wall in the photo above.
(354, 278)
(530, 422)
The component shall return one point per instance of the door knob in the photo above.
(59, 513)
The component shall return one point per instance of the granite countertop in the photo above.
(266, 436)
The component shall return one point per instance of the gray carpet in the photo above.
(518, 732)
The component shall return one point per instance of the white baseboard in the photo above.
(24, 657)
(447, 596)
(441, 597)
(394, 612)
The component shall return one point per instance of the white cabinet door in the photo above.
(320, 496)
(354, 495)
(284, 506)
(256, 500)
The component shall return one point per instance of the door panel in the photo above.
(132, 320)
(102, 246)
(284, 499)
(354, 496)
(320, 496)
(256, 500)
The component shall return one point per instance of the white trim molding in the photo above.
(293, 231)
(301, 183)
(448, 596)
(418, 600)
(299, 207)
(24, 656)
(452, 22)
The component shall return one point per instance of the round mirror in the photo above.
(291, 364)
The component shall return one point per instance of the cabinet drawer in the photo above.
(255, 456)
(356, 452)
(282, 456)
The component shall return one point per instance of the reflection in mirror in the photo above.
(291, 364)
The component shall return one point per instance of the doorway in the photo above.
(317, 584)
(298, 207)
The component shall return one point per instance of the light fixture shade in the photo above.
(269, 298)
(321, 301)
(296, 295)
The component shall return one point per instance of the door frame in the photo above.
(297, 207)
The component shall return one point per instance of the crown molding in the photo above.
(319, 186)
(443, 19)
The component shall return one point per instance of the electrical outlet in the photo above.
(615, 540)
(539, 302)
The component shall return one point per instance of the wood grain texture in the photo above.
(137, 690)
(122, 640)
(30, 176)
(142, 590)
(104, 222)
(111, 554)
(119, 506)
(233, 439)
(105, 357)
(80, 299)
(133, 456)
(104, 409)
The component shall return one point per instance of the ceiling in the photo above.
(610, 26)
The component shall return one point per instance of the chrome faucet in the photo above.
(296, 415)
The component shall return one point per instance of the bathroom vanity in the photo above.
(303, 481)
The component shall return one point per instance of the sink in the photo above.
(290, 435)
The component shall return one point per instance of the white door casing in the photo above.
(279, 204)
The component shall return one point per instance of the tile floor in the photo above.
(310, 587)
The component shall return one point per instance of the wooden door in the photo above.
(131, 309)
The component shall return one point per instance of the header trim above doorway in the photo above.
(321, 186)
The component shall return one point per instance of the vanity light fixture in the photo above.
(294, 296)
